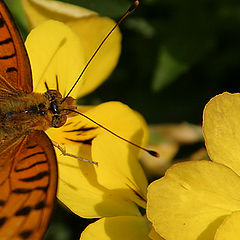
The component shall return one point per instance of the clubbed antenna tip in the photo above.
(134, 6)
(153, 153)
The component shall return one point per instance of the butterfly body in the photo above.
(21, 113)
(28, 169)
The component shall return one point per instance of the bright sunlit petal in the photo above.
(80, 190)
(192, 200)
(61, 57)
(229, 229)
(154, 235)
(92, 31)
(222, 129)
(39, 11)
(117, 228)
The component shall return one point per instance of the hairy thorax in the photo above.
(22, 113)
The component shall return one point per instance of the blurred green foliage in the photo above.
(176, 55)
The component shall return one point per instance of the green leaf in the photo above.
(18, 14)
(167, 71)
(141, 26)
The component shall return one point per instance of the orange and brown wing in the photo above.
(28, 171)
(28, 189)
(14, 62)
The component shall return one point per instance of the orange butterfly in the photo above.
(28, 168)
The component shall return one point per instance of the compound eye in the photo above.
(54, 107)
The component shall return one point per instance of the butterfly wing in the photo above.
(14, 62)
(28, 188)
(28, 171)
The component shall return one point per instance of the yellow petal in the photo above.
(154, 235)
(192, 200)
(118, 175)
(119, 168)
(39, 11)
(91, 32)
(117, 228)
(54, 50)
(229, 230)
(222, 129)
(80, 191)
(155, 167)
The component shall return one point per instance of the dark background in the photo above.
(176, 55)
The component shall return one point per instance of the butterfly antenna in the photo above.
(57, 82)
(131, 9)
(46, 85)
(151, 152)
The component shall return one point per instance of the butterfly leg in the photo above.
(63, 151)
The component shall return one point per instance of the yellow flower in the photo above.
(116, 188)
(90, 29)
(200, 199)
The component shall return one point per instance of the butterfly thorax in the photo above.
(58, 108)
(21, 113)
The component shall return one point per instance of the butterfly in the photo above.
(28, 166)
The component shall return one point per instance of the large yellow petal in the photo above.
(80, 191)
(229, 229)
(192, 200)
(117, 228)
(154, 235)
(118, 175)
(54, 51)
(221, 127)
(91, 32)
(38, 12)
(119, 168)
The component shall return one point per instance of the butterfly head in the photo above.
(57, 107)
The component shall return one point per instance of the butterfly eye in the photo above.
(54, 107)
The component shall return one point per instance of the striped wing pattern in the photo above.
(27, 191)
(28, 177)
(28, 171)
(14, 62)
